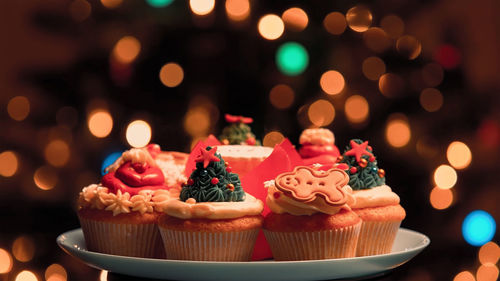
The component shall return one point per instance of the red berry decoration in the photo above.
(214, 181)
(229, 169)
(371, 159)
(363, 163)
(190, 181)
(353, 170)
(276, 195)
(225, 141)
(381, 173)
(250, 141)
(226, 163)
(230, 186)
(340, 158)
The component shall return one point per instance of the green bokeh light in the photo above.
(159, 3)
(292, 58)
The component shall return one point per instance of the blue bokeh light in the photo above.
(110, 159)
(478, 228)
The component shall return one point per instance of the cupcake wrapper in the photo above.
(134, 240)
(209, 246)
(326, 244)
(376, 237)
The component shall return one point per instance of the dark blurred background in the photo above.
(81, 80)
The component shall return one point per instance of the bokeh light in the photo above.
(295, 19)
(271, 27)
(103, 276)
(487, 272)
(459, 155)
(427, 147)
(272, 138)
(393, 26)
(202, 7)
(356, 109)
(8, 163)
(376, 39)
(281, 96)
(335, 23)
(110, 159)
(332, 82)
(292, 58)
(321, 113)
(391, 85)
(45, 178)
(464, 276)
(238, 10)
(432, 74)
(373, 68)
(478, 228)
(57, 153)
(197, 121)
(359, 18)
(397, 131)
(445, 177)
(171, 74)
(55, 272)
(408, 46)
(18, 108)
(489, 253)
(441, 198)
(138, 133)
(23, 248)
(5, 261)
(431, 99)
(26, 275)
(100, 123)
(448, 56)
(80, 10)
(159, 3)
(126, 49)
(111, 4)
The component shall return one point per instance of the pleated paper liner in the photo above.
(376, 237)
(326, 244)
(134, 240)
(209, 246)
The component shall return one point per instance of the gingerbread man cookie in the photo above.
(305, 184)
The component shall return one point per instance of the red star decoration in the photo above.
(207, 156)
(358, 150)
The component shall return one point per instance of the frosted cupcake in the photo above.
(214, 219)
(375, 202)
(310, 217)
(318, 146)
(118, 216)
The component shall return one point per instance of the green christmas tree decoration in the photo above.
(238, 132)
(362, 167)
(212, 180)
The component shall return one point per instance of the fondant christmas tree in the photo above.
(212, 180)
(238, 132)
(361, 166)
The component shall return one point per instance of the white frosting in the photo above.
(317, 136)
(375, 197)
(135, 155)
(173, 172)
(246, 151)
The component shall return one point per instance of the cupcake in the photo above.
(310, 215)
(375, 202)
(118, 216)
(318, 146)
(214, 219)
(238, 132)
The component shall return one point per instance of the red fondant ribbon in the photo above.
(133, 178)
(235, 119)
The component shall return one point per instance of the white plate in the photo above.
(408, 244)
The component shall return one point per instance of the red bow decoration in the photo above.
(133, 178)
(238, 119)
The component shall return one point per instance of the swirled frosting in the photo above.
(98, 197)
(280, 203)
(317, 136)
(375, 197)
(134, 155)
(212, 210)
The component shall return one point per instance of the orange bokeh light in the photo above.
(23, 248)
(57, 153)
(335, 23)
(376, 39)
(26, 275)
(295, 19)
(441, 198)
(272, 138)
(100, 123)
(238, 10)
(171, 74)
(373, 68)
(197, 121)
(45, 178)
(271, 27)
(5, 261)
(18, 108)
(8, 163)
(431, 99)
(397, 131)
(56, 272)
(391, 85)
(359, 18)
(487, 272)
(321, 113)
(393, 26)
(332, 82)
(489, 253)
(459, 155)
(464, 276)
(111, 4)
(281, 96)
(356, 109)
(127, 49)
(138, 133)
(445, 177)
(80, 10)
(408, 46)
(202, 7)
